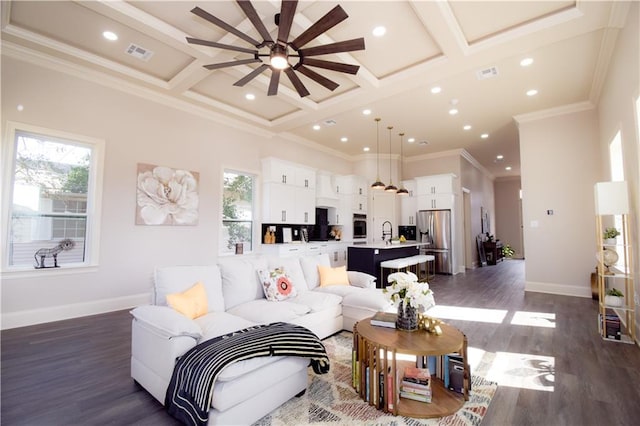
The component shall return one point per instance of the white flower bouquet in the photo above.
(406, 288)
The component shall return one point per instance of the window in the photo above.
(52, 195)
(615, 158)
(237, 212)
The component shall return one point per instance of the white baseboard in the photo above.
(561, 289)
(62, 312)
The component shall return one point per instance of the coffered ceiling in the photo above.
(470, 50)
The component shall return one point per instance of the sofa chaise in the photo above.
(323, 299)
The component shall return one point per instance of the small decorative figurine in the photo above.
(432, 325)
(43, 253)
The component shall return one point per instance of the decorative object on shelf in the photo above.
(402, 190)
(410, 297)
(391, 187)
(378, 184)
(614, 297)
(608, 258)
(43, 253)
(610, 235)
(279, 52)
(166, 196)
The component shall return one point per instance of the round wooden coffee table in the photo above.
(376, 368)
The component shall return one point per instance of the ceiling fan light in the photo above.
(278, 58)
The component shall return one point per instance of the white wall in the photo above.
(508, 214)
(136, 131)
(560, 164)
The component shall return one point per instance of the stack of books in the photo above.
(611, 326)
(416, 384)
(384, 319)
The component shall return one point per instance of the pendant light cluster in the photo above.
(378, 184)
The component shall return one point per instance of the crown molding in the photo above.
(553, 112)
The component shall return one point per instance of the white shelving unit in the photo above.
(612, 209)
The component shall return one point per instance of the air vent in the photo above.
(487, 73)
(139, 52)
(330, 122)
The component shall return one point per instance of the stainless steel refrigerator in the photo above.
(434, 230)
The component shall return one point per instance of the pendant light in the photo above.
(378, 183)
(402, 191)
(391, 187)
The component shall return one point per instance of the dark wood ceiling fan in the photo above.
(280, 50)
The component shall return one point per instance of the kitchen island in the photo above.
(367, 257)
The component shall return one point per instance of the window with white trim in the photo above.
(237, 211)
(50, 199)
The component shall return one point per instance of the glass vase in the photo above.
(407, 317)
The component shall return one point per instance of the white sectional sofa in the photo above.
(246, 390)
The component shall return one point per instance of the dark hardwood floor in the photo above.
(76, 372)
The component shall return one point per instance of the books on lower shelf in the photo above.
(611, 325)
(416, 384)
(384, 319)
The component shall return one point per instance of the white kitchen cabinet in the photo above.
(409, 204)
(435, 202)
(435, 184)
(435, 192)
(341, 215)
(284, 250)
(289, 195)
(338, 254)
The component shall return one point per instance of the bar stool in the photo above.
(400, 265)
(425, 259)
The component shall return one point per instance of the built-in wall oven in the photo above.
(359, 226)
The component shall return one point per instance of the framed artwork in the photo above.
(166, 196)
(484, 218)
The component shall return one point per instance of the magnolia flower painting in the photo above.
(166, 196)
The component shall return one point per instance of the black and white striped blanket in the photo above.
(188, 397)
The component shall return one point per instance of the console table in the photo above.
(376, 350)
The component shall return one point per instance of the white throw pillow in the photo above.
(361, 279)
(240, 281)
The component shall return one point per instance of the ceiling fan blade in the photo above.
(329, 84)
(273, 84)
(251, 13)
(330, 65)
(295, 80)
(287, 11)
(231, 64)
(341, 46)
(253, 74)
(220, 23)
(328, 21)
(220, 45)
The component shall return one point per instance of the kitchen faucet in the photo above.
(389, 232)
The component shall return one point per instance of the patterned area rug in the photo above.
(330, 399)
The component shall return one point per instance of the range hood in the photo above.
(326, 195)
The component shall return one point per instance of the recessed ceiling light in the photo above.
(507, 168)
(526, 62)
(379, 31)
(344, 139)
(109, 35)
(316, 127)
(484, 135)
(365, 149)
(453, 111)
(423, 143)
(436, 89)
(20, 107)
(499, 156)
(366, 111)
(532, 92)
(250, 96)
(411, 140)
(467, 127)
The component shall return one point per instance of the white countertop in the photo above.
(385, 246)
